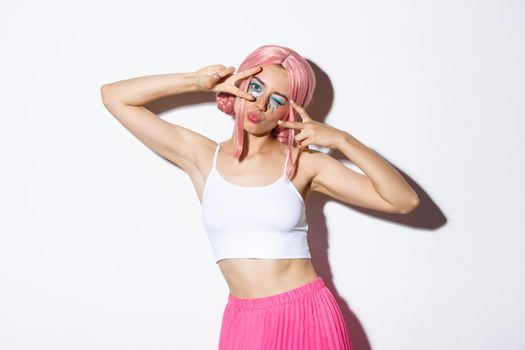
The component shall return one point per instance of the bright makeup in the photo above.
(256, 89)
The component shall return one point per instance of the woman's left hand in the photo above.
(311, 131)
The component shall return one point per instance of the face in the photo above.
(270, 87)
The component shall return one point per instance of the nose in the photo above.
(262, 102)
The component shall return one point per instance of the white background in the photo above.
(102, 244)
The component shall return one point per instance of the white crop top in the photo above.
(267, 222)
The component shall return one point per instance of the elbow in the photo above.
(410, 208)
(104, 94)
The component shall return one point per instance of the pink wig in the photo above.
(302, 81)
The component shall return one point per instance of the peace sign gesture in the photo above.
(311, 131)
(218, 78)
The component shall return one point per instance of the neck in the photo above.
(256, 144)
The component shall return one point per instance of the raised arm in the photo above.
(124, 99)
(381, 188)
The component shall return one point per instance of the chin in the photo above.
(255, 130)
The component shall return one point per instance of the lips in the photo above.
(253, 117)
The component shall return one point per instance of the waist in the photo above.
(255, 278)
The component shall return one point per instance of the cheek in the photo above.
(277, 116)
(281, 112)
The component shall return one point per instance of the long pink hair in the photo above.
(302, 82)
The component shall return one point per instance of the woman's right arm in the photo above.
(125, 99)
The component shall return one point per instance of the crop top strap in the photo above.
(214, 164)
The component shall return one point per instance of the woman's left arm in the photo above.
(383, 188)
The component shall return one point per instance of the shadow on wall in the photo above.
(426, 215)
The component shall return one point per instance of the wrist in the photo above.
(344, 138)
(340, 139)
(190, 79)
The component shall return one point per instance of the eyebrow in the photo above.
(263, 84)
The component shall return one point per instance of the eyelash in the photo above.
(273, 100)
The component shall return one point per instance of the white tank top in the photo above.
(267, 222)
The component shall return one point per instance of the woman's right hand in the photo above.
(218, 78)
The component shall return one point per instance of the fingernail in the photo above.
(279, 122)
(292, 101)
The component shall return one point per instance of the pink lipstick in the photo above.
(254, 118)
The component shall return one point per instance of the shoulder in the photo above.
(308, 162)
(311, 163)
(203, 156)
(312, 160)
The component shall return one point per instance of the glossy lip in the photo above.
(253, 117)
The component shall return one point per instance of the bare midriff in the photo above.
(257, 278)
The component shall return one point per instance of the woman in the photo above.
(253, 189)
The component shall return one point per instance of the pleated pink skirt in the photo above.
(304, 318)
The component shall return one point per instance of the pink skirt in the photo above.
(303, 318)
